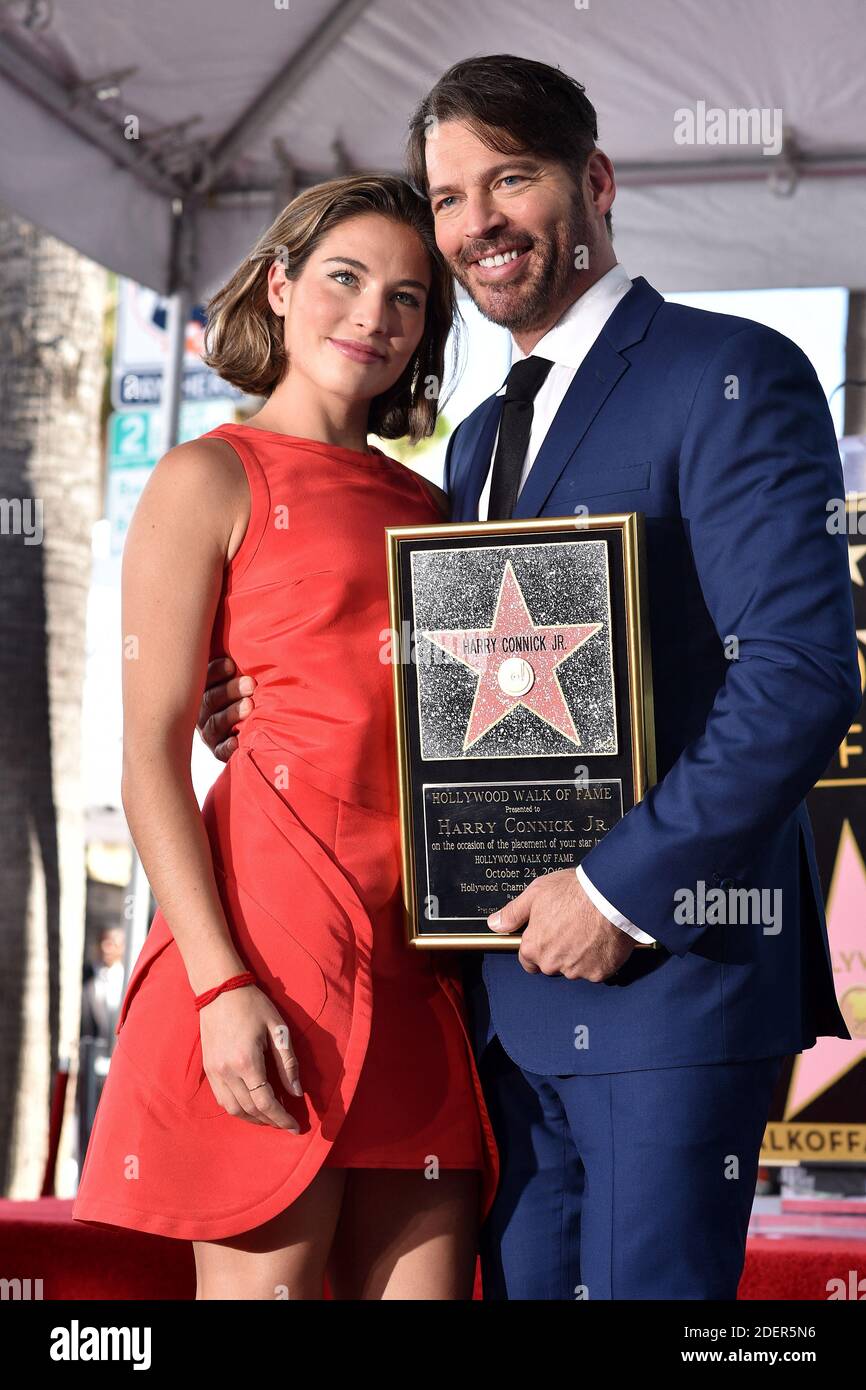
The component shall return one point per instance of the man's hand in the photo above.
(223, 705)
(566, 933)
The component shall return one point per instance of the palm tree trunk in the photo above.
(51, 384)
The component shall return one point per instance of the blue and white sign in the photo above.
(141, 352)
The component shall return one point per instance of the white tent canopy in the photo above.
(240, 104)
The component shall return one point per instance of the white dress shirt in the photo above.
(566, 345)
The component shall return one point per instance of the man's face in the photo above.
(523, 206)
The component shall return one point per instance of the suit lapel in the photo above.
(476, 454)
(593, 382)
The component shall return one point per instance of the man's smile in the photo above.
(500, 265)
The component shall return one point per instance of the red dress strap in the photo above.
(260, 497)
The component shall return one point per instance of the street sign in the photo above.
(141, 352)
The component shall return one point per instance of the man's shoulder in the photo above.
(688, 331)
(475, 416)
(466, 429)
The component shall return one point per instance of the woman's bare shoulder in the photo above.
(208, 470)
(201, 478)
(206, 458)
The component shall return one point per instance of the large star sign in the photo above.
(516, 662)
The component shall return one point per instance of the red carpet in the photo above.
(40, 1239)
(797, 1267)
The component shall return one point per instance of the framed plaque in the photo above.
(523, 696)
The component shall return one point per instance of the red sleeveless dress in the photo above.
(303, 825)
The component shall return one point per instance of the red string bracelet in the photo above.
(235, 982)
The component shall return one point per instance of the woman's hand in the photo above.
(237, 1028)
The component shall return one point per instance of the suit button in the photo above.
(727, 883)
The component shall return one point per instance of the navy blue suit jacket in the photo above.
(716, 428)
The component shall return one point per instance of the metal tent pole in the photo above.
(179, 305)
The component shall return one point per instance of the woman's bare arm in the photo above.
(188, 524)
(188, 521)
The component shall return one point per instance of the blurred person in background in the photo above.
(103, 986)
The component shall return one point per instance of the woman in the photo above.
(292, 1087)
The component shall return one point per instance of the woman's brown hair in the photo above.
(243, 339)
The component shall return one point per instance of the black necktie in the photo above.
(521, 387)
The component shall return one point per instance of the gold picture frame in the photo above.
(431, 741)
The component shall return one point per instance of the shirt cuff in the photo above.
(609, 911)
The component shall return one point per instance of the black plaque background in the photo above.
(457, 770)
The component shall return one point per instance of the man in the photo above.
(629, 1090)
(102, 993)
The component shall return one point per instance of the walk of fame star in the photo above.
(516, 662)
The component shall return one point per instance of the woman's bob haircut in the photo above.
(243, 339)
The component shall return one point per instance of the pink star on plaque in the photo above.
(516, 662)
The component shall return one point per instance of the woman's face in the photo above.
(355, 315)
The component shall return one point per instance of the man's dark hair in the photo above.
(521, 105)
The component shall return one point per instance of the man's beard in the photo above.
(526, 304)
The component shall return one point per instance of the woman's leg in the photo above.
(284, 1257)
(402, 1235)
